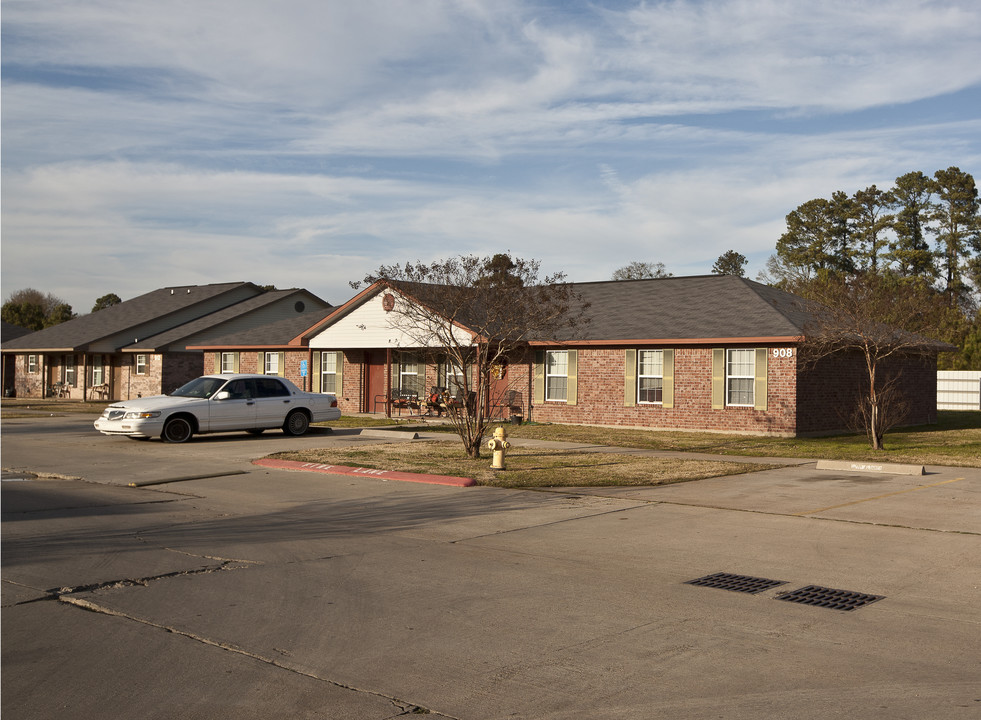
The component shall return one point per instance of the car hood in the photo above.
(157, 402)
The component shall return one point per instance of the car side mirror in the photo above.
(223, 395)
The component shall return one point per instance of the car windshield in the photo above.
(202, 387)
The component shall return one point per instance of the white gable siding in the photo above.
(369, 326)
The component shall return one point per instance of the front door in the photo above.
(375, 392)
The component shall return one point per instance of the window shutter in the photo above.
(667, 385)
(630, 378)
(718, 378)
(315, 372)
(539, 376)
(339, 374)
(217, 362)
(235, 362)
(759, 387)
(282, 365)
(573, 393)
(260, 363)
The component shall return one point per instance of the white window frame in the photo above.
(556, 376)
(410, 379)
(328, 372)
(32, 364)
(98, 370)
(227, 363)
(454, 380)
(271, 363)
(732, 378)
(68, 372)
(141, 364)
(658, 365)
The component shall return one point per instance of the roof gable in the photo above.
(245, 318)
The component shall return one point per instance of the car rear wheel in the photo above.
(177, 430)
(297, 423)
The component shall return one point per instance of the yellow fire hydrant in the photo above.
(499, 444)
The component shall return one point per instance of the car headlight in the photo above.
(141, 415)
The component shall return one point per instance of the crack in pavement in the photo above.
(63, 592)
(404, 707)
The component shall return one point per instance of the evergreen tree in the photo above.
(958, 229)
(909, 251)
(871, 223)
(730, 263)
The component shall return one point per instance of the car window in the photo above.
(270, 387)
(238, 390)
(202, 387)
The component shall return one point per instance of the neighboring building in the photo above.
(267, 349)
(140, 346)
(716, 353)
(10, 332)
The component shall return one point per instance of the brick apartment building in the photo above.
(715, 353)
(140, 346)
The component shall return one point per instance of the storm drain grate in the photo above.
(736, 583)
(829, 597)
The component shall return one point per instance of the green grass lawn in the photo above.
(955, 440)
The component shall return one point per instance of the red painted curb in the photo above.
(383, 474)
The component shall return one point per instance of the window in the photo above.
(98, 371)
(32, 363)
(229, 362)
(328, 372)
(141, 364)
(556, 375)
(650, 376)
(68, 368)
(272, 364)
(453, 379)
(740, 377)
(410, 381)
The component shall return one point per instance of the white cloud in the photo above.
(302, 143)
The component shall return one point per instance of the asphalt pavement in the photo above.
(231, 590)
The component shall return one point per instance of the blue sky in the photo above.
(302, 143)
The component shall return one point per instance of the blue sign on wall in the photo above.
(303, 368)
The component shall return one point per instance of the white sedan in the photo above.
(219, 403)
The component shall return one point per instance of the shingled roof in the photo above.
(131, 315)
(698, 309)
(202, 330)
(275, 335)
(709, 308)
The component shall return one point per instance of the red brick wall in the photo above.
(828, 390)
(179, 368)
(601, 396)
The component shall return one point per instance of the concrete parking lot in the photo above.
(255, 593)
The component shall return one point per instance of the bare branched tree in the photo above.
(477, 314)
(882, 319)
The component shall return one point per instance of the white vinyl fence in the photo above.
(959, 389)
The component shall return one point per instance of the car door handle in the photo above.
(250, 402)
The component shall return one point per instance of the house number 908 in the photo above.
(783, 352)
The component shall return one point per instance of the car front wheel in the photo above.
(177, 430)
(297, 423)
